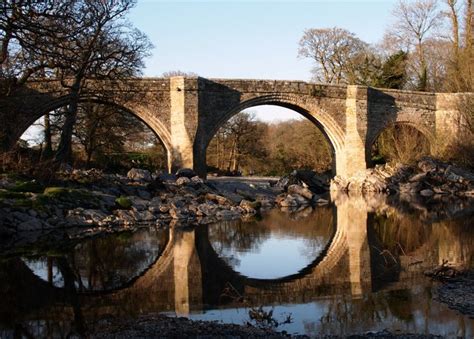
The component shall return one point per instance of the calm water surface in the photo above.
(331, 270)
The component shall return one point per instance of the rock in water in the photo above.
(306, 178)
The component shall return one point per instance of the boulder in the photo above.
(138, 174)
(288, 201)
(218, 198)
(417, 177)
(197, 180)
(426, 193)
(143, 216)
(303, 191)
(163, 177)
(206, 209)
(427, 165)
(249, 206)
(124, 217)
(306, 178)
(138, 204)
(186, 172)
(182, 181)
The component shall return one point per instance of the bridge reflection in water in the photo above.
(359, 253)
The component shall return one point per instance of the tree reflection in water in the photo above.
(102, 263)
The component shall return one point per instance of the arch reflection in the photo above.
(370, 271)
(101, 264)
(276, 246)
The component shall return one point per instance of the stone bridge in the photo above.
(186, 112)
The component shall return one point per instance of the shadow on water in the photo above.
(351, 268)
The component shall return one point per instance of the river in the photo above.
(340, 269)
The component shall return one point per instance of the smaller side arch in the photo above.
(374, 136)
(158, 128)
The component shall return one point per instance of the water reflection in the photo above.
(275, 246)
(102, 263)
(351, 270)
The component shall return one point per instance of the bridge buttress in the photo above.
(182, 111)
(350, 159)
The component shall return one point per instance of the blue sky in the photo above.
(247, 39)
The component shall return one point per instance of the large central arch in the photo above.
(318, 116)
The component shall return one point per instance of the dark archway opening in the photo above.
(268, 140)
(104, 137)
(400, 143)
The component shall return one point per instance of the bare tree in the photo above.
(102, 130)
(23, 24)
(460, 65)
(332, 50)
(415, 23)
(72, 40)
(105, 48)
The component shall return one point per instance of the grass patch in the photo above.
(123, 202)
(27, 186)
(4, 194)
(75, 197)
(56, 192)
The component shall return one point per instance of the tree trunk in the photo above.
(89, 152)
(64, 152)
(456, 76)
(423, 74)
(468, 69)
(469, 22)
(48, 147)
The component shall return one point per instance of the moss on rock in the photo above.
(123, 202)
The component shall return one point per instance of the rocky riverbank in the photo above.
(88, 202)
(174, 327)
(428, 178)
(171, 327)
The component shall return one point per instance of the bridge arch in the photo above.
(425, 132)
(330, 129)
(158, 128)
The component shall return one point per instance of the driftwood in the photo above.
(443, 271)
